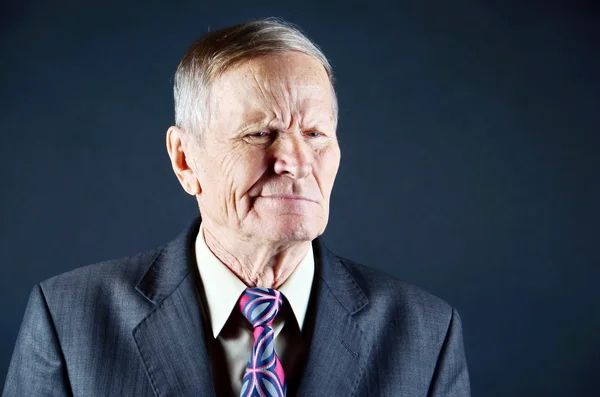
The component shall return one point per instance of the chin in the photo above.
(290, 231)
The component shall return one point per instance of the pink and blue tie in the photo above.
(264, 375)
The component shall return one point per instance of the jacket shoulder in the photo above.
(383, 290)
(103, 284)
(414, 337)
(112, 271)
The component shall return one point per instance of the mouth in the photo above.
(288, 197)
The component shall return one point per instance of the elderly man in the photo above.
(247, 301)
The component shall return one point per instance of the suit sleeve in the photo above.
(37, 367)
(451, 376)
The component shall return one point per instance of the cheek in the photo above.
(330, 162)
(221, 173)
(246, 168)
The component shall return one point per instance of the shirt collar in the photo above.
(223, 288)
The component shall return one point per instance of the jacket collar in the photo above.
(171, 339)
(338, 280)
(170, 266)
(176, 261)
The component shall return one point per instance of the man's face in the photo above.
(269, 156)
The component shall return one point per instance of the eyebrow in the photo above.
(260, 119)
(252, 120)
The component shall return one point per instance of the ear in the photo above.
(180, 153)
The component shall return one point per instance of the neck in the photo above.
(265, 265)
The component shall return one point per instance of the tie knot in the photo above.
(260, 305)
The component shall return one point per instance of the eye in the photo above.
(314, 134)
(259, 135)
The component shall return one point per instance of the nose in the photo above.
(293, 156)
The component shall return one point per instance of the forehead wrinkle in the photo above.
(305, 98)
(279, 99)
(266, 89)
(295, 106)
(281, 90)
(255, 118)
(311, 113)
(248, 108)
(290, 102)
(273, 90)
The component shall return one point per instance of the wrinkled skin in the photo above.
(265, 167)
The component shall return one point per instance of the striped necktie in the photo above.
(264, 374)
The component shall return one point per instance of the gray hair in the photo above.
(216, 52)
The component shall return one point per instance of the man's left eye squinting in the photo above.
(314, 134)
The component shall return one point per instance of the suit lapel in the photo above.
(338, 352)
(170, 340)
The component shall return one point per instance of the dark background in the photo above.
(469, 136)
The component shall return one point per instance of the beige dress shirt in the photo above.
(232, 333)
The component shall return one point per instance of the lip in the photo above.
(289, 197)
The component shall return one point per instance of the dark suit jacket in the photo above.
(132, 327)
